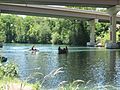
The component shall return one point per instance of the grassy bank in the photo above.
(15, 84)
(9, 78)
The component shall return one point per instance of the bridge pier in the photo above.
(113, 12)
(92, 33)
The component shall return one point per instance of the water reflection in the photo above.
(112, 65)
(100, 66)
(75, 65)
(116, 70)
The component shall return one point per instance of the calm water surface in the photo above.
(100, 66)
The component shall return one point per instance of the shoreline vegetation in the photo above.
(43, 30)
(8, 83)
(9, 80)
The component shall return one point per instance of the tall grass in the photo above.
(44, 78)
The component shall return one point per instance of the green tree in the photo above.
(19, 30)
(28, 23)
(9, 22)
(43, 30)
(2, 31)
(39, 32)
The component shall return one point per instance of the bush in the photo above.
(8, 70)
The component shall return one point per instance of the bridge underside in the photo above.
(43, 15)
(57, 12)
(52, 12)
(52, 16)
(95, 3)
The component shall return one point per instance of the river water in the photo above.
(98, 66)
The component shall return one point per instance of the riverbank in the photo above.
(8, 83)
(9, 79)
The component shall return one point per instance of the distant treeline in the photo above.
(43, 30)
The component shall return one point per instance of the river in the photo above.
(98, 66)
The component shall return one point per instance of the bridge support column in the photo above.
(113, 11)
(113, 28)
(92, 33)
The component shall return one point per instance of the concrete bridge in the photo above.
(51, 11)
(112, 5)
